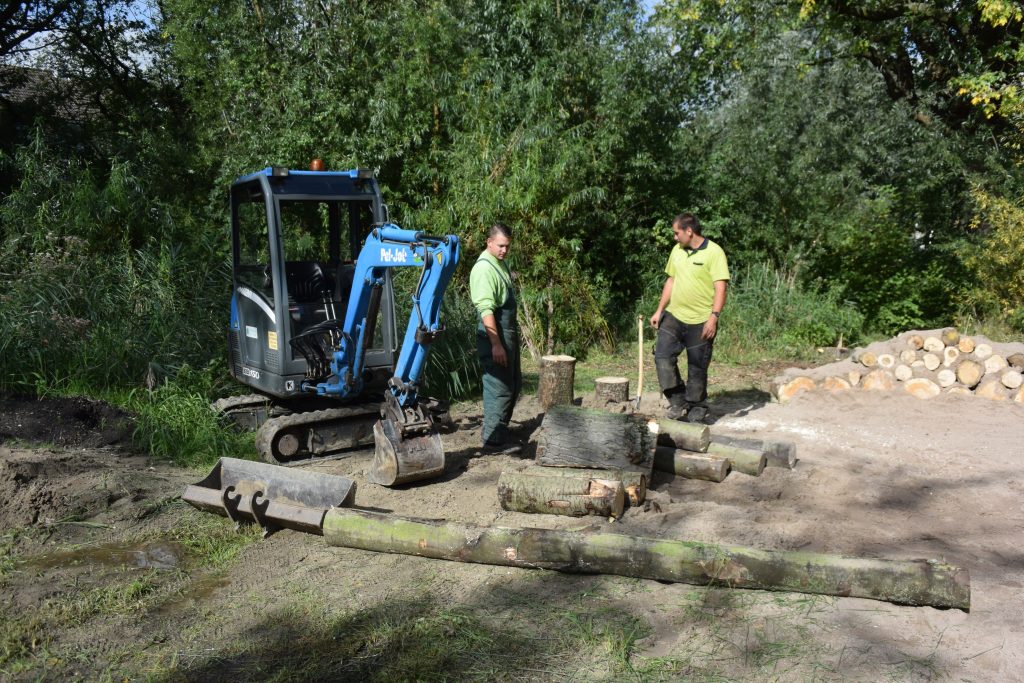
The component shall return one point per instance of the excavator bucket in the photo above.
(271, 496)
(402, 459)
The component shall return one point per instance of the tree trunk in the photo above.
(743, 460)
(906, 582)
(690, 465)
(776, 453)
(580, 437)
(611, 390)
(686, 435)
(561, 494)
(557, 374)
(635, 483)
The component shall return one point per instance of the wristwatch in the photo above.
(716, 313)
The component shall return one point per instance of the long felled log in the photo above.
(688, 435)
(690, 465)
(580, 437)
(776, 453)
(635, 483)
(561, 495)
(906, 582)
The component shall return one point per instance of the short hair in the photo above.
(499, 229)
(688, 220)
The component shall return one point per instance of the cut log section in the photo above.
(886, 361)
(950, 355)
(580, 437)
(995, 364)
(969, 373)
(554, 386)
(960, 390)
(915, 342)
(1016, 360)
(743, 460)
(878, 380)
(635, 483)
(982, 351)
(907, 582)
(690, 465)
(835, 385)
(777, 453)
(1011, 379)
(931, 361)
(561, 495)
(611, 390)
(686, 435)
(933, 345)
(966, 345)
(908, 356)
(903, 372)
(992, 389)
(920, 387)
(854, 377)
(950, 336)
(784, 389)
(867, 359)
(946, 378)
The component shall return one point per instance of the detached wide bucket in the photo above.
(400, 461)
(272, 496)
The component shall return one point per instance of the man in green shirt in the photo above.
(687, 317)
(497, 338)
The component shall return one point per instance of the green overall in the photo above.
(501, 384)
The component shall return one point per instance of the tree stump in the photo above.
(554, 386)
(692, 437)
(690, 465)
(611, 390)
(579, 437)
(561, 495)
(635, 483)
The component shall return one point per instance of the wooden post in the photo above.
(690, 465)
(905, 582)
(561, 495)
(611, 390)
(557, 374)
(635, 483)
(579, 437)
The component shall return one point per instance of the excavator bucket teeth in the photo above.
(271, 496)
(399, 460)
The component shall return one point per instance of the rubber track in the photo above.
(266, 433)
(223, 405)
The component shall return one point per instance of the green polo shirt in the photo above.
(694, 273)
(489, 284)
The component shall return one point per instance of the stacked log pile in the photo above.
(594, 462)
(922, 364)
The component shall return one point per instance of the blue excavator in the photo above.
(313, 328)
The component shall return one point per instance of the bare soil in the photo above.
(886, 476)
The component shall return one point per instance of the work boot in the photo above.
(506, 448)
(697, 414)
(677, 412)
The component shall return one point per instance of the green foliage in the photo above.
(998, 262)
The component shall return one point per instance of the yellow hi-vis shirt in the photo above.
(694, 273)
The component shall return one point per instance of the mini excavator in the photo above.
(313, 330)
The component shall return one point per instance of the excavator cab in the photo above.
(295, 237)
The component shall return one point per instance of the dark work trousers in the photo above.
(501, 384)
(674, 337)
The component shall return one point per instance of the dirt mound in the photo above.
(44, 487)
(77, 422)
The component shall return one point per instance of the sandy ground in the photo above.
(883, 476)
